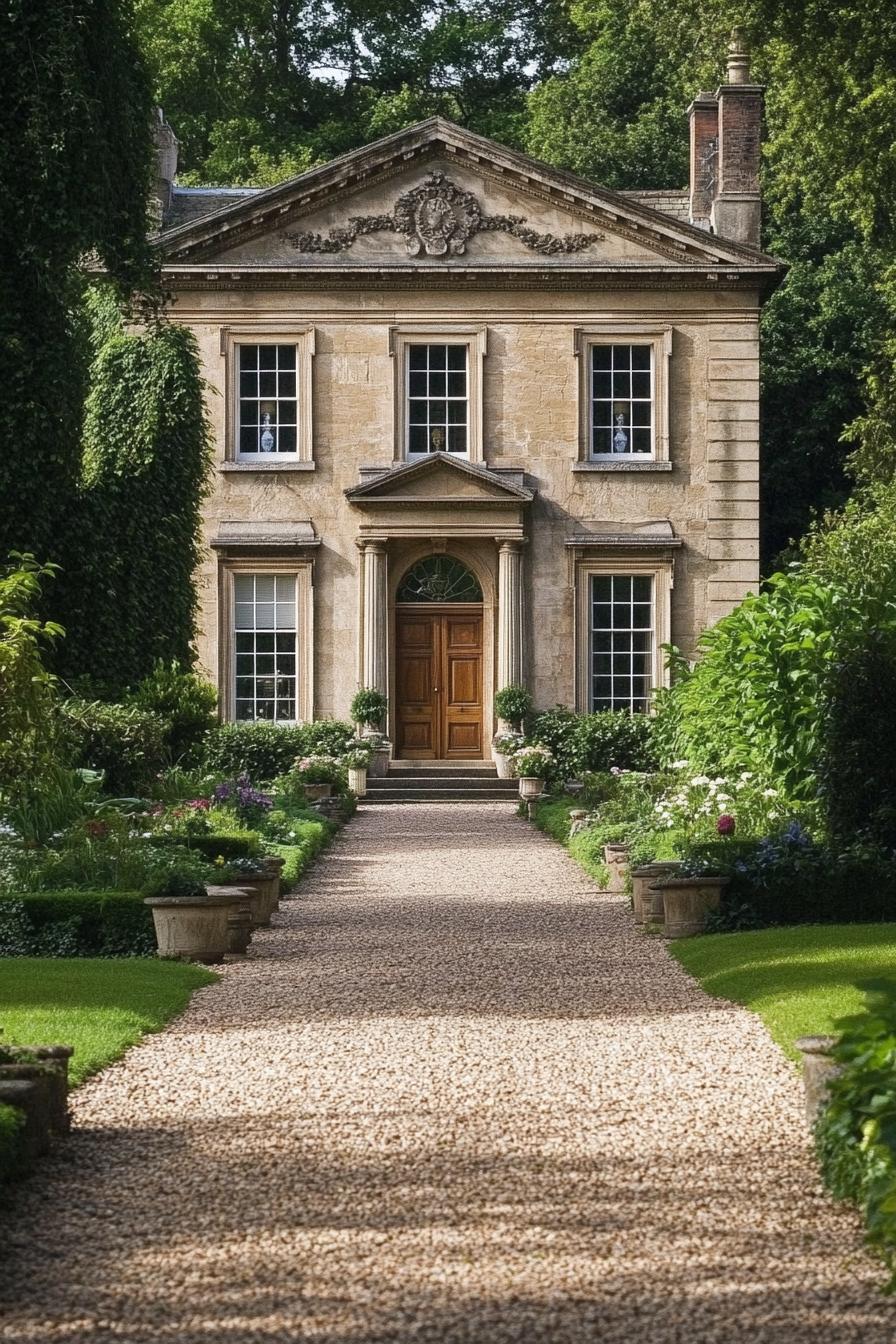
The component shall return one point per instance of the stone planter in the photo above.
(239, 918)
(357, 780)
(578, 820)
(531, 787)
(314, 792)
(502, 765)
(819, 1069)
(273, 867)
(51, 1082)
(29, 1097)
(379, 761)
(192, 928)
(686, 903)
(648, 905)
(262, 892)
(616, 859)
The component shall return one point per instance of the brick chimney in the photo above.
(703, 115)
(165, 166)
(737, 208)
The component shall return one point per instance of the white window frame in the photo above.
(303, 338)
(301, 571)
(476, 341)
(659, 339)
(653, 567)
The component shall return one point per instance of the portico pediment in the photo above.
(441, 497)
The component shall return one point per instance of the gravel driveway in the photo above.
(451, 1097)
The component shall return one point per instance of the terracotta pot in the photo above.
(530, 787)
(313, 792)
(646, 909)
(686, 903)
(357, 780)
(819, 1069)
(192, 928)
(616, 859)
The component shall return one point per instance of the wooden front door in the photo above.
(438, 654)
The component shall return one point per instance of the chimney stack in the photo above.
(165, 165)
(725, 149)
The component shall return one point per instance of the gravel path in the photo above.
(453, 1097)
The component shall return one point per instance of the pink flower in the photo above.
(726, 824)
(198, 804)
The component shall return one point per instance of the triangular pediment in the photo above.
(435, 195)
(438, 479)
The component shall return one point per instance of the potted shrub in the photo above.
(368, 709)
(190, 924)
(504, 746)
(357, 761)
(531, 766)
(318, 774)
(513, 705)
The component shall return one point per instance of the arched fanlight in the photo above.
(439, 578)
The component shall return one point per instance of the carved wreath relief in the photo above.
(438, 219)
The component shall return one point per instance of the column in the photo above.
(375, 618)
(510, 614)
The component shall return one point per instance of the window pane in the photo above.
(265, 659)
(417, 356)
(268, 399)
(621, 399)
(267, 356)
(436, 424)
(621, 641)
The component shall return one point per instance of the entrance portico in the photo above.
(467, 651)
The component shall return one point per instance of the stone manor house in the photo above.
(477, 421)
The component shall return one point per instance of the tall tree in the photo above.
(75, 173)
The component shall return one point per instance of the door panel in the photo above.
(439, 685)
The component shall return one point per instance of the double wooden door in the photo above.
(438, 654)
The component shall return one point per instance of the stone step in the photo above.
(454, 795)
(440, 782)
(441, 769)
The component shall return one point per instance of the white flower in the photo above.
(769, 793)
(746, 776)
(679, 765)
(723, 797)
(146, 835)
(699, 781)
(166, 828)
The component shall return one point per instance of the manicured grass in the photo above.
(99, 1007)
(798, 979)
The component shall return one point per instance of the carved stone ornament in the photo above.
(437, 219)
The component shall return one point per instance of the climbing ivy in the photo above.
(130, 593)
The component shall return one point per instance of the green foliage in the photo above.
(856, 1132)
(12, 1154)
(368, 707)
(147, 456)
(264, 750)
(583, 743)
(184, 702)
(513, 704)
(226, 844)
(105, 853)
(858, 771)
(46, 803)
(27, 689)
(76, 924)
(99, 1007)
(75, 171)
(125, 742)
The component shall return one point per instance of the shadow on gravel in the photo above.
(279, 1241)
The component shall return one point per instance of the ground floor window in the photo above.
(265, 645)
(622, 634)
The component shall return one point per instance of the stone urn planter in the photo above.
(379, 761)
(273, 867)
(357, 780)
(646, 904)
(263, 894)
(578, 820)
(502, 764)
(239, 919)
(819, 1069)
(31, 1098)
(192, 928)
(616, 859)
(531, 787)
(686, 903)
(46, 1066)
(314, 792)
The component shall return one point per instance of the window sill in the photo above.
(261, 467)
(622, 466)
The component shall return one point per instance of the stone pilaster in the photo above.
(375, 625)
(510, 614)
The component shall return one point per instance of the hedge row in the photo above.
(76, 924)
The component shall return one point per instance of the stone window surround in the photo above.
(659, 337)
(655, 567)
(257, 333)
(475, 338)
(296, 567)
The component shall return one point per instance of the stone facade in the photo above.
(436, 237)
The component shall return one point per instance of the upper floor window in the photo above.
(268, 400)
(438, 399)
(622, 400)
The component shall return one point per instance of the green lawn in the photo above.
(798, 979)
(99, 1007)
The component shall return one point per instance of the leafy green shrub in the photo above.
(126, 743)
(262, 750)
(513, 704)
(368, 707)
(551, 815)
(184, 702)
(599, 742)
(76, 924)
(858, 766)
(226, 844)
(104, 854)
(28, 689)
(558, 729)
(49, 801)
(12, 1155)
(856, 1132)
(326, 737)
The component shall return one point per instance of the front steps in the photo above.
(441, 782)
